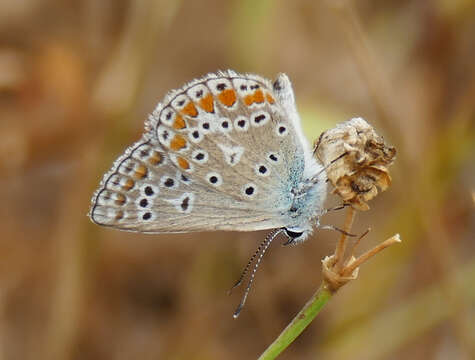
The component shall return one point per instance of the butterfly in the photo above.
(224, 152)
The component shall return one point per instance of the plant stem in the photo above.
(341, 245)
(370, 253)
(299, 323)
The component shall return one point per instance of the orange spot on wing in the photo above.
(120, 199)
(256, 97)
(119, 215)
(270, 99)
(179, 123)
(207, 103)
(190, 110)
(140, 171)
(183, 163)
(227, 97)
(156, 158)
(129, 184)
(177, 143)
(249, 100)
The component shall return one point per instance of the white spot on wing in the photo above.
(198, 92)
(168, 182)
(273, 157)
(195, 135)
(127, 167)
(146, 215)
(232, 154)
(150, 190)
(143, 203)
(242, 86)
(180, 101)
(105, 198)
(222, 83)
(185, 179)
(225, 125)
(164, 135)
(262, 170)
(260, 118)
(281, 129)
(214, 178)
(116, 182)
(167, 115)
(249, 190)
(183, 204)
(207, 126)
(200, 156)
(241, 123)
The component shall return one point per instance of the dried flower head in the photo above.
(356, 176)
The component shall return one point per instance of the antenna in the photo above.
(261, 250)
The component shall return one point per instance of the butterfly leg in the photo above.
(331, 227)
(336, 208)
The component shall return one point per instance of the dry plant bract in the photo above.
(363, 169)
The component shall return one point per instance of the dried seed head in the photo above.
(356, 176)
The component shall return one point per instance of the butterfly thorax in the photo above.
(307, 198)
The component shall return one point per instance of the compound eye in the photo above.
(293, 234)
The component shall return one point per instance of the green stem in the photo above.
(299, 323)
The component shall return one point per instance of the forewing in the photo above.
(221, 153)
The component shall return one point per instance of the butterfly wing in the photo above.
(222, 153)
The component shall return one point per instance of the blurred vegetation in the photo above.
(77, 80)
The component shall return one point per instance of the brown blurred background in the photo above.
(77, 80)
